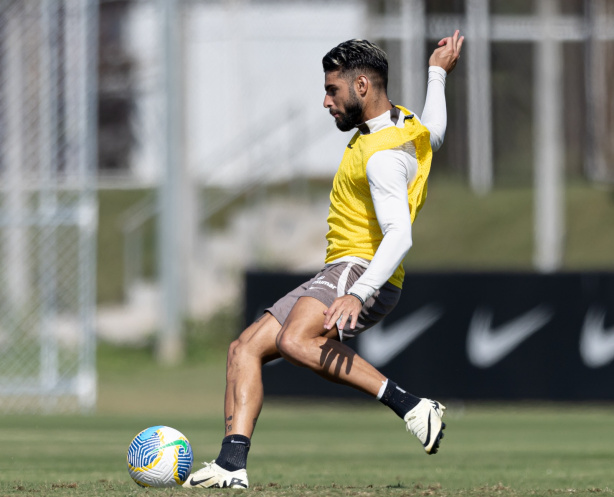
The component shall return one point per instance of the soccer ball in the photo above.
(160, 457)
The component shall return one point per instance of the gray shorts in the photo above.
(332, 282)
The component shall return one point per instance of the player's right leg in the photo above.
(242, 406)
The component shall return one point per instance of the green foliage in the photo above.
(590, 228)
(206, 342)
(113, 204)
(219, 205)
(209, 340)
(456, 230)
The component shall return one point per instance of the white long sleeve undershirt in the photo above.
(389, 173)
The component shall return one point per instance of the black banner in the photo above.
(474, 336)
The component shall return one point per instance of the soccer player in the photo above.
(377, 191)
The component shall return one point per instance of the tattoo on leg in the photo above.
(228, 424)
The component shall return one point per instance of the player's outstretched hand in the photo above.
(448, 53)
(342, 309)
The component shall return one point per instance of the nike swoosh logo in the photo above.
(194, 482)
(428, 433)
(379, 347)
(486, 345)
(596, 343)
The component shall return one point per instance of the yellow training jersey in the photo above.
(353, 226)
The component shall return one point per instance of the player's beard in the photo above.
(352, 116)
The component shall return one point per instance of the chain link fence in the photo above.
(48, 206)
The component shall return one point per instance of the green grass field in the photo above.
(306, 448)
(334, 449)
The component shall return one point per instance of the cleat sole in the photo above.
(440, 435)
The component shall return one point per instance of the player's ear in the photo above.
(361, 85)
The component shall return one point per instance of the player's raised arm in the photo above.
(441, 63)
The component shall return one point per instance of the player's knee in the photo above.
(235, 350)
(289, 347)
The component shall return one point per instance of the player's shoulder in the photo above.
(405, 115)
(393, 161)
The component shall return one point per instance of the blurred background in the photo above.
(154, 151)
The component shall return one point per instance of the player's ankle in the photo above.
(233, 454)
(398, 399)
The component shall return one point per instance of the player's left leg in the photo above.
(304, 342)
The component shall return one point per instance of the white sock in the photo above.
(382, 389)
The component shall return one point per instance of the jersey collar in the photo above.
(383, 121)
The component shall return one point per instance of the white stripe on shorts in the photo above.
(341, 284)
(343, 280)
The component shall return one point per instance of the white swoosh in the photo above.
(487, 346)
(379, 347)
(596, 343)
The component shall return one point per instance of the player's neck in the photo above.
(376, 107)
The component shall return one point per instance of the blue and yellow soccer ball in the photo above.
(160, 456)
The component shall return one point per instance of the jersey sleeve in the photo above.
(388, 173)
(434, 115)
